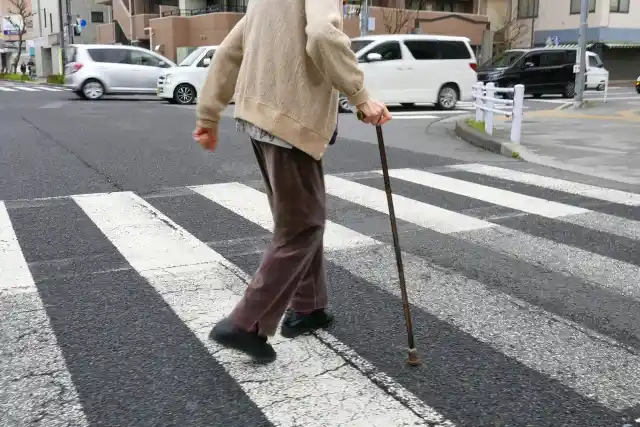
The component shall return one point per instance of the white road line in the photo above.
(547, 343)
(424, 116)
(15, 276)
(586, 190)
(571, 214)
(249, 203)
(27, 89)
(36, 385)
(7, 89)
(592, 364)
(428, 216)
(308, 385)
(493, 195)
(50, 89)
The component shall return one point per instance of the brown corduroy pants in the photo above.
(292, 272)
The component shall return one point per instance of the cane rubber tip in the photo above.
(414, 360)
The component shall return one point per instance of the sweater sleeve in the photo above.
(330, 49)
(220, 84)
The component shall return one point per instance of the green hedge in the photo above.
(56, 79)
(15, 77)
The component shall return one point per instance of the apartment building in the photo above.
(175, 27)
(46, 30)
(613, 33)
(8, 37)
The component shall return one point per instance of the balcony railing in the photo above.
(230, 6)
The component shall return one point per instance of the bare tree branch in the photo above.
(509, 33)
(399, 21)
(23, 10)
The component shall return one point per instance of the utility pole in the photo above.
(364, 17)
(69, 20)
(578, 100)
(63, 51)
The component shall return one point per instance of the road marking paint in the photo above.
(195, 281)
(50, 89)
(493, 195)
(423, 214)
(33, 369)
(586, 190)
(254, 206)
(27, 89)
(7, 89)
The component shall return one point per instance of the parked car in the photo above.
(181, 84)
(542, 71)
(638, 84)
(96, 70)
(408, 69)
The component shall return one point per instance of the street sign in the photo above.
(576, 68)
(83, 23)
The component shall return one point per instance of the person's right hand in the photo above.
(207, 138)
(374, 112)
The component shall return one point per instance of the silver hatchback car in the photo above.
(96, 70)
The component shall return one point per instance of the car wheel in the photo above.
(569, 90)
(638, 89)
(92, 89)
(447, 97)
(343, 105)
(184, 94)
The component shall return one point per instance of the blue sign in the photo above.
(83, 23)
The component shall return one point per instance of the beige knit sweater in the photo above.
(285, 61)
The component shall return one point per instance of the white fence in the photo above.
(487, 105)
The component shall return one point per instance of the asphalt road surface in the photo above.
(122, 243)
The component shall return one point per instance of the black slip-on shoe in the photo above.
(254, 345)
(296, 324)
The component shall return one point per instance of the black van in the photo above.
(542, 71)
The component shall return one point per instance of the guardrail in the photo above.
(486, 105)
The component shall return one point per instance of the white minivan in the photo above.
(181, 85)
(412, 69)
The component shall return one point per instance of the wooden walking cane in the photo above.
(413, 353)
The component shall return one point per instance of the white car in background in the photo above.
(181, 85)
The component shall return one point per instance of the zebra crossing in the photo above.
(30, 88)
(525, 293)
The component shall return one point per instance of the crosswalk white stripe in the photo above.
(544, 342)
(32, 369)
(428, 216)
(493, 195)
(7, 89)
(567, 213)
(422, 116)
(50, 89)
(240, 198)
(27, 89)
(586, 190)
(15, 276)
(194, 280)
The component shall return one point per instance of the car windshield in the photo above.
(358, 45)
(193, 56)
(504, 60)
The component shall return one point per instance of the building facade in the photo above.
(46, 35)
(176, 27)
(613, 33)
(8, 39)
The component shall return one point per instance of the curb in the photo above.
(487, 142)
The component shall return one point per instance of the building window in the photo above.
(527, 9)
(619, 6)
(97, 17)
(574, 8)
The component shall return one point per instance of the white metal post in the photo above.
(478, 91)
(518, 112)
(606, 86)
(488, 121)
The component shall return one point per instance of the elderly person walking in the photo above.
(285, 61)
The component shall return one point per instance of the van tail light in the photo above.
(75, 67)
(473, 65)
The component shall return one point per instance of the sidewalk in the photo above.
(599, 140)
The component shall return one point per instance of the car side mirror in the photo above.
(528, 65)
(206, 62)
(374, 57)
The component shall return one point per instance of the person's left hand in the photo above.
(206, 137)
